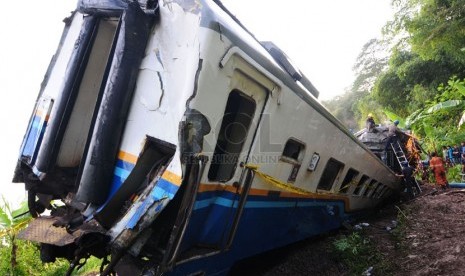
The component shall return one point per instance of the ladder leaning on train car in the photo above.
(402, 159)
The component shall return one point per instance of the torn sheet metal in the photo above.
(172, 51)
(146, 206)
(192, 133)
(99, 6)
(152, 102)
(42, 230)
(137, 219)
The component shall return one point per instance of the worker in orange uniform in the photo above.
(437, 167)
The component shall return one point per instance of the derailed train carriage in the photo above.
(376, 140)
(179, 144)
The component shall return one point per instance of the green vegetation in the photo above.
(28, 261)
(415, 71)
(358, 253)
(398, 233)
(18, 257)
(453, 174)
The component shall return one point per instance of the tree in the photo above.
(19, 257)
(371, 62)
(425, 46)
(439, 122)
(438, 30)
(343, 108)
(11, 221)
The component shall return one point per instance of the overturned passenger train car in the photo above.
(178, 143)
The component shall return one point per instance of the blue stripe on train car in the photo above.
(163, 189)
(265, 224)
(121, 172)
(212, 217)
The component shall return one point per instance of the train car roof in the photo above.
(226, 24)
(215, 16)
(223, 21)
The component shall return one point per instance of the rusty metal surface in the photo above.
(42, 230)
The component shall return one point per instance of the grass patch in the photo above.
(358, 254)
(398, 233)
(29, 263)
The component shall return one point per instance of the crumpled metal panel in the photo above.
(109, 6)
(42, 230)
(92, 6)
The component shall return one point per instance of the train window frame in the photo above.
(387, 192)
(301, 151)
(346, 182)
(382, 191)
(376, 191)
(329, 177)
(361, 182)
(369, 188)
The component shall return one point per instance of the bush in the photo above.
(19, 257)
(29, 263)
(357, 253)
(453, 174)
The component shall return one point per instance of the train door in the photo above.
(235, 135)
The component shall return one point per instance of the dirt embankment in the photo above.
(432, 241)
(419, 237)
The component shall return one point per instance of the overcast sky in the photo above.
(322, 37)
(30, 32)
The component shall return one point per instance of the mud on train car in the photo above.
(176, 143)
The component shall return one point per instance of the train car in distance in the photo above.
(167, 140)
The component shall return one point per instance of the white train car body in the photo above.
(182, 144)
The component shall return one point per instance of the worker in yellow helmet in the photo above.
(370, 123)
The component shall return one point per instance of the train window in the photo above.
(382, 191)
(386, 192)
(370, 187)
(330, 174)
(233, 132)
(349, 180)
(378, 188)
(293, 153)
(360, 184)
(293, 150)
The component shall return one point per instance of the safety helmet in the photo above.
(396, 122)
(370, 115)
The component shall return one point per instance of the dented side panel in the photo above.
(166, 80)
